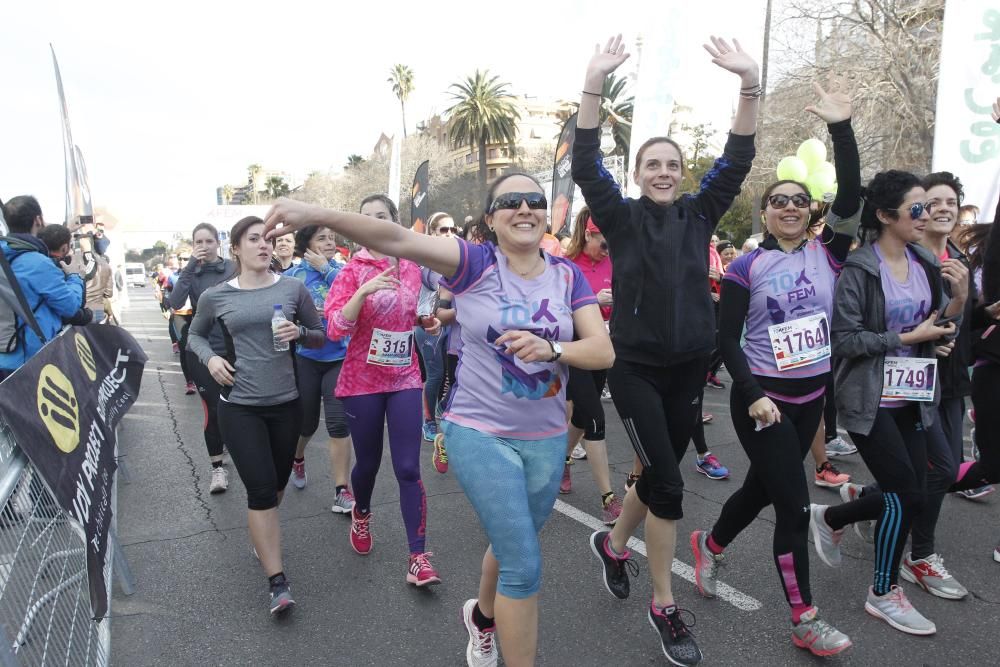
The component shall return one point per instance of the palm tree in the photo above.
(483, 114)
(227, 194)
(276, 187)
(401, 78)
(353, 161)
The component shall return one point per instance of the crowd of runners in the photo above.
(869, 312)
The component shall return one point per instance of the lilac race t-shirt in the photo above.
(907, 304)
(495, 391)
(784, 287)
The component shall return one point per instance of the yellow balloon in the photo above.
(812, 152)
(792, 168)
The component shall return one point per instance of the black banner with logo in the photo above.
(562, 180)
(419, 200)
(62, 407)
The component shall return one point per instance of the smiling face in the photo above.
(324, 242)
(904, 226)
(205, 240)
(943, 204)
(520, 228)
(788, 222)
(728, 255)
(659, 171)
(253, 251)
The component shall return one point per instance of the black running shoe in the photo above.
(675, 638)
(281, 597)
(615, 568)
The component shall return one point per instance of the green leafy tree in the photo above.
(401, 78)
(483, 113)
(353, 161)
(275, 187)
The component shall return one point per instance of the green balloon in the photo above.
(792, 168)
(812, 152)
(819, 186)
(824, 174)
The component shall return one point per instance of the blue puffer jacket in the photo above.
(51, 294)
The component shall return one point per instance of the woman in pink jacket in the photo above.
(374, 300)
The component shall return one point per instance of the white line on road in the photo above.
(724, 592)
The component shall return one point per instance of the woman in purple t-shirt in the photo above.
(506, 420)
(886, 340)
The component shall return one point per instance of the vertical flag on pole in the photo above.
(76, 206)
(966, 140)
(562, 180)
(419, 199)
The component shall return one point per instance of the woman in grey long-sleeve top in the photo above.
(259, 407)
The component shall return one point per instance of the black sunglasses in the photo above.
(512, 201)
(604, 246)
(800, 200)
(445, 230)
(916, 210)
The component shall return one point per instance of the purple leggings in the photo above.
(367, 416)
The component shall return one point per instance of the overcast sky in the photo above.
(169, 100)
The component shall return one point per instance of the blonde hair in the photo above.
(579, 238)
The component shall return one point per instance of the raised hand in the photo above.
(734, 59)
(291, 214)
(606, 60)
(834, 105)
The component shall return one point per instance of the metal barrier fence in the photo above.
(45, 615)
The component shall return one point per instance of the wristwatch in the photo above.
(556, 350)
(302, 332)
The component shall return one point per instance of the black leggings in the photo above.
(698, 434)
(208, 391)
(317, 380)
(985, 383)
(830, 412)
(895, 452)
(584, 389)
(658, 406)
(182, 323)
(261, 441)
(775, 478)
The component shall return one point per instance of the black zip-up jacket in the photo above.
(663, 313)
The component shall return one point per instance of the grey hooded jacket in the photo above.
(861, 341)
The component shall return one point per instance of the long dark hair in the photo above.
(885, 193)
(237, 233)
(482, 231)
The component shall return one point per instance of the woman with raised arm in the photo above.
(662, 310)
(506, 422)
(781, 295)
(259, 404)
(891, 319)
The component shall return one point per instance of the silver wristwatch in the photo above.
(556, 350)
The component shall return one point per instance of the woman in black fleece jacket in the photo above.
(663, 319)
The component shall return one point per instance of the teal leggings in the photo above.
(512, 485)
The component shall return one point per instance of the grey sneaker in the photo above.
(827, 539)
(819, 637)
(930, 574)
(281, 597)
(896, 610)
(706, 564)
(220, 481)
(863, 529)
(840, 447)
(343, 503)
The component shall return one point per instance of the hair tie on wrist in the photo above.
(587, 92)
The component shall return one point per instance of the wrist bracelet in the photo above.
(756, 85)
(587, 92)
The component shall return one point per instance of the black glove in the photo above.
(82, 317)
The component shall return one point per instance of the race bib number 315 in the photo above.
(390, 348)
(909, 379)
(801, 342)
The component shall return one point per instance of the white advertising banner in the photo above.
(966, 140)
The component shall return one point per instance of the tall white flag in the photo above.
(78, 207)
(966, 140)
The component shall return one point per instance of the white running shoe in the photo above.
(930, 574)
(482, 648)
(578, 453)
(220, 480)
(896, 610)
(826, 538)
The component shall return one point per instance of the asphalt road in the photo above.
(201, 597)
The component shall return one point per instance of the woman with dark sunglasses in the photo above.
(887, 331)
(505, 424)
(781, 294)
(662, 311)
(589, 251)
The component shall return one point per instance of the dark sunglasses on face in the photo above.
(604, 246)
(800, 200)
(916, 210)
(512, 201)
(445, 230)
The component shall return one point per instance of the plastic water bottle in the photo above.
(276, 319)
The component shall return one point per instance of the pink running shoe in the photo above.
(611, 511)
(361, 537)
(830, 477)
(440, 456)
(421, 573)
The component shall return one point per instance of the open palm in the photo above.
(832, 106)
(732, 58)
(607, 60)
